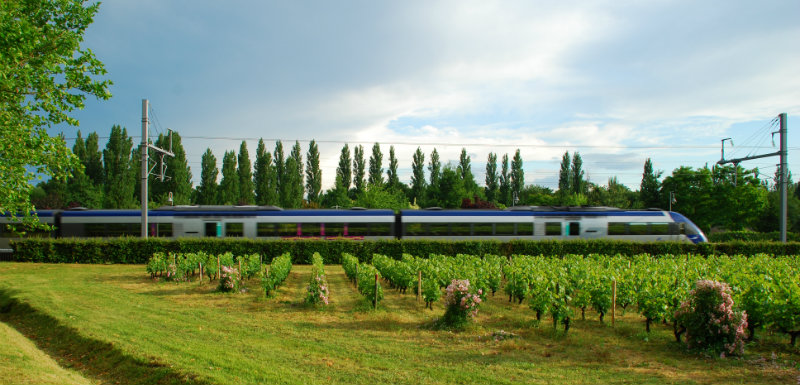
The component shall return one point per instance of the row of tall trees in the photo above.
(729, 197)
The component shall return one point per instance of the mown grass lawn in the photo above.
(113, 324)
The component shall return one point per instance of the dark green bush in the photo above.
(138, 251)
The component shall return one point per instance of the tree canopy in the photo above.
(45, 74)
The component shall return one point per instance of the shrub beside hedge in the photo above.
(138, 251)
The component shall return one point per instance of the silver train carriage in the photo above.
(268, 222)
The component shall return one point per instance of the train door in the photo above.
(573, 229)
(213, 229)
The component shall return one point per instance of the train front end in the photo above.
(692, 231)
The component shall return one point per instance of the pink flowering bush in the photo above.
(229, 279)
(461, 302)
(710, 321)
(318, 285)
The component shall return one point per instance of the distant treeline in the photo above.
(721, 197)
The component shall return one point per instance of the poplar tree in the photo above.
(435, 172)
(344, 170)
(505, 182)
(313, 173)
(178, 179)
(650, 186)
(358, 170)
(280, 173)
(392, 179)
(264, 176)
(418, 177)
(376, 166)
(289, 196)
(207, 190)
(577, 184)
(79, 188)
(229, 186)
(94, 159)
(492, 183)
(246, 186)
(517, 177)
(564, 176)
(119, 178)
(465, 174)
(297, 188)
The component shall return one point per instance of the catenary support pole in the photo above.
(784, 176)
(143, 153)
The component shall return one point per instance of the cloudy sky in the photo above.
(617, 81)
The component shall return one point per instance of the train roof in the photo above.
(540, 211)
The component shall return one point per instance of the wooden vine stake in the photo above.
(219, 268)
(376, 291)
(613, 302)
(201, 271)
(419, 285)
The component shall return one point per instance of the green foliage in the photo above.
(492, 179)
(246, 186)
(376, 166)
(359, 170)
(505, 183)
(710, 320)
(44, 75)
(344, 169)
(313, 173)
(317, 291)
(264, 176)
(368, 279)
(650, 186)
(279, 270)
(432, 194)
(751, 236)
(379, 196)
(179, 181)
(229, 186)
(119, 172)
(418, 177)
(392, 179)
(208, 189)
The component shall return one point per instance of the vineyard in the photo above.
(766, 288)
(119, 324)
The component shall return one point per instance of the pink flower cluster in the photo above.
(229, 278)
(712, 304)
(458, 295)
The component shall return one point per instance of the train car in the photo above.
(263, 222)
(550, 223)
(49, 217)
(269, 222)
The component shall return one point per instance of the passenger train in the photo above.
(269, 222)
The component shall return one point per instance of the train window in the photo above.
(112, 229)
(659, 228)
(482, 229)
(504, 229)
(617, 228)
(211, 229)
(264, 229)
(462, 229)
(357, 229)
(637, 229)
(677, 228)
(287, 229)
(310, 229)
(380, 229)
(552, 228)
(439, 229)
(574, 228)
(414, 229)
(525, 229)
(234, 229)
(334, 229)
(164, 229)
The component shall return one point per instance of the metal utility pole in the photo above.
(783, 182)
(143, 150)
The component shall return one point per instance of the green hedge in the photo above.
(136, 250)
(751, 236)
